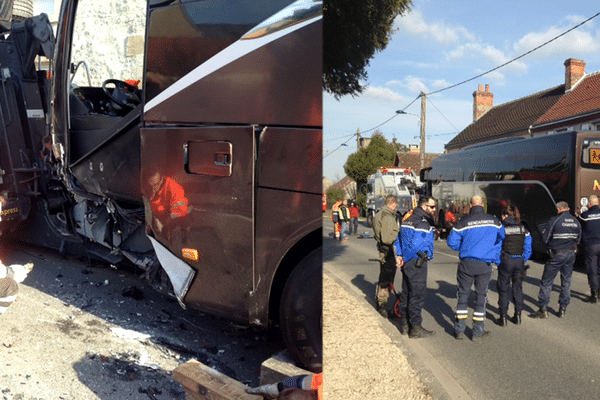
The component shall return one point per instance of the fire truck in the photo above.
(182, 138)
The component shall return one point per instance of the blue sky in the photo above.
(43, 6)
(442, 43)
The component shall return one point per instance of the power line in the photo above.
(428, 99)
(516, 58)
(465, 81)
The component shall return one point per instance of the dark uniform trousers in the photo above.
(561, 262)
(511, 269)
(387, 273)
(469, 272)
(592, 262)
(414, 288)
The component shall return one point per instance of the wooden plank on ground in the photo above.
(203, 383)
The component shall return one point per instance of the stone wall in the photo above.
(109, 37)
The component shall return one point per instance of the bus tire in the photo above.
(301, 312)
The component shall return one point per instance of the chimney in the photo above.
(574, 71)
(482, 102)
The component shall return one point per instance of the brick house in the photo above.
(575, 104)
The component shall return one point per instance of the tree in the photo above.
(399, 147)
(354, 30)
(334, 194)
(378, 153)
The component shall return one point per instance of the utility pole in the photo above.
(422, 146)
(357, 139)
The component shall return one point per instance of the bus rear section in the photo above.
(531, 173)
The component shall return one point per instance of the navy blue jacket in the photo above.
(590, 223)
(512, 228)
(416, 234)
(478, 236)
(563, 232)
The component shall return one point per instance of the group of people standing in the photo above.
(481, 240)
(344, 216)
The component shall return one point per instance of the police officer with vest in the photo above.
(385, 230)
(478, 239)
(561, 237)
(414, 247)
(590, 224)
(516, 250)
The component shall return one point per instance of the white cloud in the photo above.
(440, 84)
(382, 93)
(411, 83)
(485, 55)
(413, 24)
(578, 41)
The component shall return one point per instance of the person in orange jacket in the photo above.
(335, 217)
(167, 199)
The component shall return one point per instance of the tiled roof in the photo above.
(509, 119)
(413, 160)
(583, 99)
(343, 183)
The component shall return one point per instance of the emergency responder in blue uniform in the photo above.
(478, 239)
(590, 225)
(561, 237)
(414, 246)
(516, 250)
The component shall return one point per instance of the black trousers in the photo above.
(510, 271)
(592, 262)
(387, 273)
(414, 289)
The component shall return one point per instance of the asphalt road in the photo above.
(539, 359)
(88, 330)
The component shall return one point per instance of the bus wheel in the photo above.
(301, 312)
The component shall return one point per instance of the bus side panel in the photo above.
(532, 198)
(283, 219)
(588, 173)
(207, 216)
(288, 198)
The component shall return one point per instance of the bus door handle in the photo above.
(223, 159)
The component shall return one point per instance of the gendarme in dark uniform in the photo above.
(478, 239)
(561, 237)
(590, 224)
(416, 236)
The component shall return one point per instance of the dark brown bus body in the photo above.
(205, 173)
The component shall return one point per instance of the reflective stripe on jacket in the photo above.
(563, 232)
(478, 236)
(590, 223)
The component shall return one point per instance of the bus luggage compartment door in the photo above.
(198, 188)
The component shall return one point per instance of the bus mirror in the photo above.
(424, 174)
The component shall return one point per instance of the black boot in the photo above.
(541, 313)
(481, 337)
(517, 318)
(594, 296)
(562, 311)
(404, 327)
(418, 331)
(383, 311)
(502, 320)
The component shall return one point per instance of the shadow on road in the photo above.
(122, 300)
